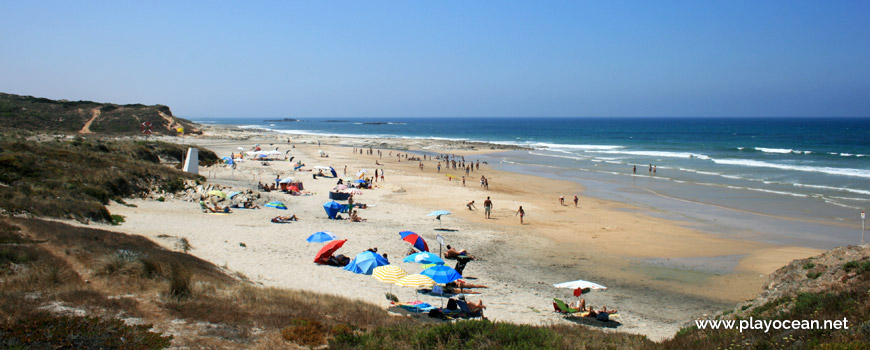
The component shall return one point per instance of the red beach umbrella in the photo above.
(327, 251)
(415, 240)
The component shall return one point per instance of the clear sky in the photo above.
(445, 58)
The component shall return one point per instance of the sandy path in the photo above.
(95, 113)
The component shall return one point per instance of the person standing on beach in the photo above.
(376, 175)
(487, 207)
(478, 165)
(650, 168)
(521, 213)
(382, 175)
(634, 169)
(562, 200)
(575, 200)
(463, 181)
(439, 167)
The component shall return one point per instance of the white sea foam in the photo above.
(555, 156)
(775, 150)
(805, 168)
(846, 154)
(832, 188)
(654, 154)
(781, 150)
(767, 191)
(251, 127)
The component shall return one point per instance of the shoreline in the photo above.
(657, 270)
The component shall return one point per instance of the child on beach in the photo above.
(521, 213)
(470, 205)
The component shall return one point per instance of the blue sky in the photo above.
(445, 58)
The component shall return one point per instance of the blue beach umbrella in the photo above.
(438, 213)
(321, 237)
(441, 274)
(424, 258)
(233, 194)
(228, 160)
(366, 262)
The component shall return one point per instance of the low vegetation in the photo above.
(75, 178)
(45, 115)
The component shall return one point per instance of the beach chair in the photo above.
(563, 308)
(466, 311)
(205, 208)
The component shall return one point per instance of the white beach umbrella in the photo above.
(579, 284)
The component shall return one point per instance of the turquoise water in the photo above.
(815, 169)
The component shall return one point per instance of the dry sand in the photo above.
(658, 272)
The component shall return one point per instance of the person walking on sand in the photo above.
(562, 200)
(487, 208)
(521, 213)
(382, 175)
(575, 200)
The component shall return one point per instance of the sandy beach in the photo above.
(660, 273)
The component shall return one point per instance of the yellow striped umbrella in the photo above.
(415, 280)
(389, 273)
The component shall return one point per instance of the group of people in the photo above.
(562, 200)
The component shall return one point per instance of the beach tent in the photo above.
(327, 251)
(332, 208)
(366, 262)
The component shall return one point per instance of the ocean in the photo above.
(802, 180)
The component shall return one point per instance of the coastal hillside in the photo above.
(833, 286)
(75, 178)
(87, 117)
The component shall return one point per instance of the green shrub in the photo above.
(809, 265)
(117, 219)
(814, 274)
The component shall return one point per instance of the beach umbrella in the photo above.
(415, 280)
(341, 187)
(579, 284)
(227, 160)
(327, 251)
(366, 262)
(332, 170)
(361, 173)
(352, 191)
(437, 214)
(389, 273)
(293, 188)
(285, 180)
(424, 258)
(321, 237)
(415, 240)
(233, 194)
(360, 181)
(276, 205)
(441, 274)
(217, 193)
